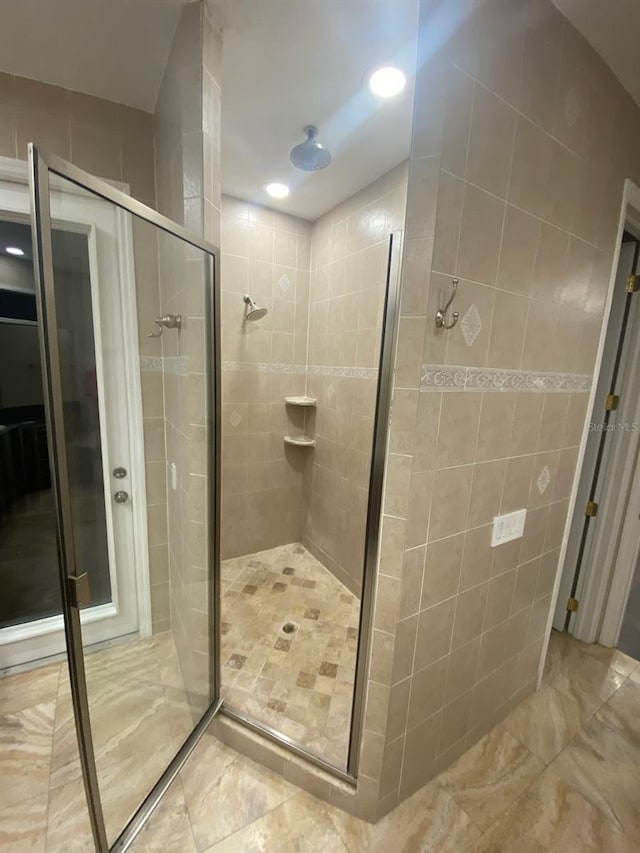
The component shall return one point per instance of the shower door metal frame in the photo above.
(382, 417)
(40, 165)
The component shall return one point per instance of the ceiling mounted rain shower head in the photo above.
(310, 155)
(254, 312)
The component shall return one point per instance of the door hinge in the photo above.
(633, 283)
(591, 509)
(611, 403)
(572, 605)
(78, 590)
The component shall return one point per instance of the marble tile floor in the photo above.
(299, 683)
(560, 774)
(140, 717)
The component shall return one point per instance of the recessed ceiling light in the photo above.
(14, 250)
(277, 190)
(387, 82)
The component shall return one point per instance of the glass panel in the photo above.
(28, 555)
(148, 682)
(33, 802)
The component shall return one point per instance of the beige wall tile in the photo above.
(451, 488)
(496, 421)
(500, 46)
(427, 692)
(461, 670)
(419, 755)
(517, 483)
(457, 120)
(434, 633)
(539, 342)
(411, 333)
(540, 71)
(418, 511)
(442, 566)
(404, 648)
(469, 615)
(551, 264)
(448, 221)
(518, 250)
(477, 558)
(480, 235)
(421, 201)
(530, 167)
(412, 573)
(507, 330)
(455, 721)
(491, 138)
(499, 598)
(457, 430)
(486, 492)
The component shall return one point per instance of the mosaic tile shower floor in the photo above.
(299, 683)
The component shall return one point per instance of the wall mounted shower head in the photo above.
(253, 311)
(310, 155)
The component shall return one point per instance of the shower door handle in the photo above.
(121, 497)
(78, 590)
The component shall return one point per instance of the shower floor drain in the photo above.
(289, 628)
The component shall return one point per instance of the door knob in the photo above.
(121, 497)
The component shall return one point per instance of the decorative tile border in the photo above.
(350, 372)
(179, 365)
(443, 377)
(176, 364)
(316, 369)
(262, 367)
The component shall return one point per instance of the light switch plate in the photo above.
(508, 527)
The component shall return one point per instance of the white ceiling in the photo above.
(612, 27)
(287, 64)
(115, 49)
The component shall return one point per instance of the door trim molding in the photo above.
(630, 202)
(137, 472)
(16, 172)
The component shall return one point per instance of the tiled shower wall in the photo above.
(265, 254)
(273, 493)
(522, 141)
(116, 142)
(188, 171)
(350, 249)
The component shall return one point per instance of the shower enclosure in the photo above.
(304, 403)
(129, 318)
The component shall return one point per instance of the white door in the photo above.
(583, 546)
(93, 258)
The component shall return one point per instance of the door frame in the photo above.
(594, 584)
(41, 167)
(35, 637)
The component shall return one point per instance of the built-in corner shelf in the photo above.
(301, 401)
(299, 441)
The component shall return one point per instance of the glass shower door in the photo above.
(137, 704)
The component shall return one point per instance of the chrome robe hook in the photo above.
(441, 313)
(169, 321)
